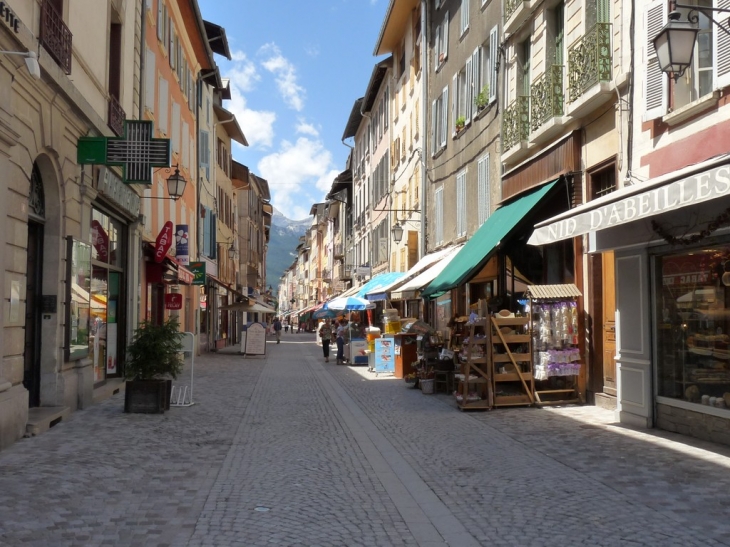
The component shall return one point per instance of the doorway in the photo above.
(34, 290)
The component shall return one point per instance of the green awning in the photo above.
(478, 250)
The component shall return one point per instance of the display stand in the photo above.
(554, 316)
(511, 359)
(475, 385)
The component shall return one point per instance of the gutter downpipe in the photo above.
(424, 111)
(142, 55)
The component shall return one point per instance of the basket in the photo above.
(427, 386)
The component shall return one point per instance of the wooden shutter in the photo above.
(655, 87)
(483, 188)
(469, 91)
(149, 80)
(721, 47)
(439, 206)
(175, 133)
(160, 21)
(461, 204)
(492, 78)
(444, 116)
(434, 136)
(162, 111)
(446, 36)
(464, 15)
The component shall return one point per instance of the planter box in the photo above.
(146, 396)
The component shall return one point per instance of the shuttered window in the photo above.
(464, 16)
(162, 114)
(149, 80)
(483, 188)
(439, 211)
(721, 54)
(493, 52)
(461, 204)
(655, 89)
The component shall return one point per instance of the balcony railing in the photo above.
(547, 97)
(55, 36)
(510, 6)
(516, 123)
(338, 250)
(589, 61)
(116, 116)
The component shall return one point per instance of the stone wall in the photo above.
(695, 424)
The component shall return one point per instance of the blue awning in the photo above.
(376, 284)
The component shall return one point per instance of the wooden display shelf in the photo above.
(518, 375)
(512, 400)
(512, 377)
(480, 404)
(505, 358)
(549, 392)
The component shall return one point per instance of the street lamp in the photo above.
(397, 232)
(675, 45)
(176, 185)
(231, 251)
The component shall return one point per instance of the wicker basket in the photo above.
(427, 386)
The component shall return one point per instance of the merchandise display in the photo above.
(556, 356)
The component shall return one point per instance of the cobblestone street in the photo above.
(289, 450)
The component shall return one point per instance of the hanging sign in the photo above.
(163, 242)
(184, 275)
(173, 301)
(182, 246)
(100, 240)
(198, 269)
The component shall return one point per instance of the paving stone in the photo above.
(341, 458)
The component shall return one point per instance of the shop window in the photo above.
(692, 310)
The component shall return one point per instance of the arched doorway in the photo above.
(34, 288)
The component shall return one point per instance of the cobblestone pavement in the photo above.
(289, 450)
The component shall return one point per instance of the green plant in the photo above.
(460, 123)
(482, 98)
(154, 352)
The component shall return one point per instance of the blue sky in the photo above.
(297, 68)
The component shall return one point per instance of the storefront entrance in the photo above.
(33, 339)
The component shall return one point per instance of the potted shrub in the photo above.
(482, 98)
(153, 361)
(460, 123)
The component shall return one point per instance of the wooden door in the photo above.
(609, 324)
(32, 346)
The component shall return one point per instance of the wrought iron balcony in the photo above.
(547, 97)
(116, 116)
(55, 36)
(516, 123)
(510, 6)
(589, 61)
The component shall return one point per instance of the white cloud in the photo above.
(286, 76)
(257, 125)
(299, 175)
(306, 128)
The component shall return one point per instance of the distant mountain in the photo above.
(285, 234)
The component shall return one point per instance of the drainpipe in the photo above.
(424, 112)
(142, 55)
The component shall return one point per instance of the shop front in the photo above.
(672, 270)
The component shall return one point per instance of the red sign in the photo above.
(163, 242)
(100, 240)
(173, 301)
(184, 275)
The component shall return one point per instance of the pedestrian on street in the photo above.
(286, 327)
(277, 330)
(325, 333)
(340, 343)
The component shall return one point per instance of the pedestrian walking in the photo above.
(286, 327)
(325, 333)
(340, 340)
(277, 330)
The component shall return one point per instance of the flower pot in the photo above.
(146, 396)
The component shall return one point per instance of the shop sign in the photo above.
(112, 187)
(173, 301)
(100, 240)
(185, 276)
(198, 269)
(182, 246)
(698, 188)
(9, 17)
(163, 242)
